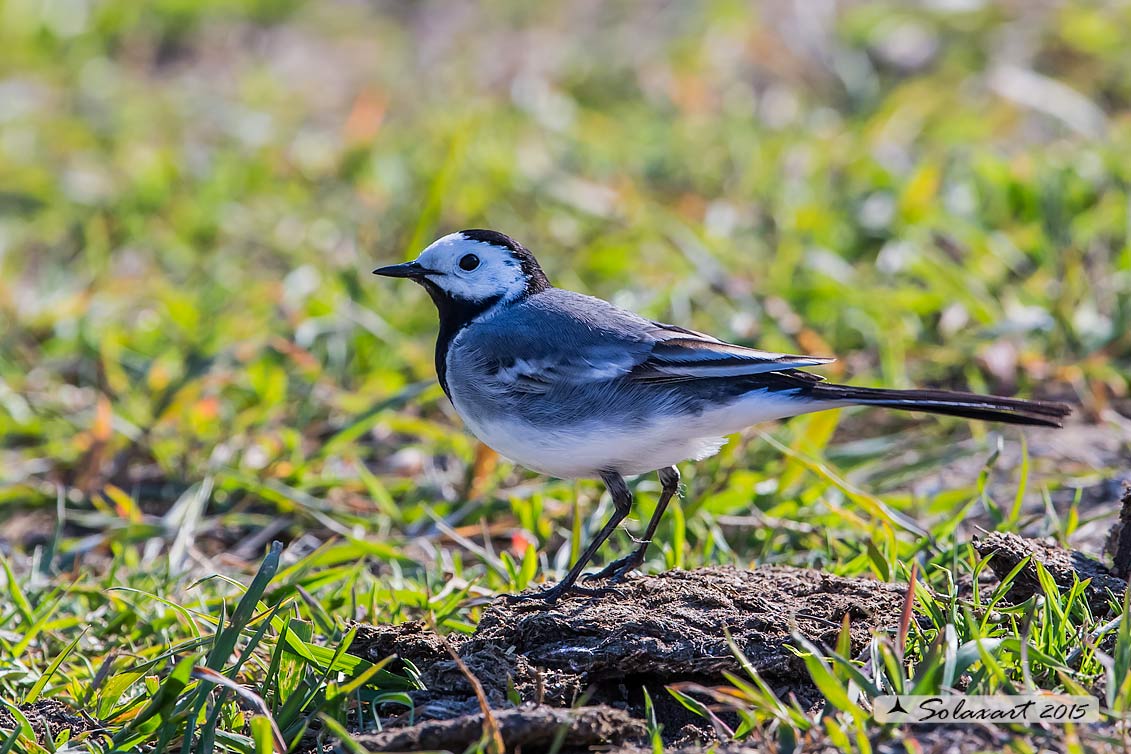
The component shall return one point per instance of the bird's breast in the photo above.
(566, 436)
(573, 428)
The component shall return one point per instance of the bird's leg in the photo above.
(622, 503)
(618, 569)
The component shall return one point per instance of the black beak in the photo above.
(407, 270)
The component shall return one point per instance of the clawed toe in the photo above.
(622, 572)
(586, 591)
(600, 575)
(616, 571)
(546, 597)
(551, 595)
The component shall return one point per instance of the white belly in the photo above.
(585, 450)
(572, 452)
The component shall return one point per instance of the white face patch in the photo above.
(473, 270)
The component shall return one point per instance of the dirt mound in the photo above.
(656, 630)
(672, 625)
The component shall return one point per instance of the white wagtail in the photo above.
(571, 386)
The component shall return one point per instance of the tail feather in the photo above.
(967, 405)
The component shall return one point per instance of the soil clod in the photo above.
(1119, 542)
(48, 718)
(1007, 550)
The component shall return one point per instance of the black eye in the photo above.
(469, 262)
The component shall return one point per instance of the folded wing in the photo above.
(568, 354)
(680, 354)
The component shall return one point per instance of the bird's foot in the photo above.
(552, 594)
(618, 569)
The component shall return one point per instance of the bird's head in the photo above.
(473, 267)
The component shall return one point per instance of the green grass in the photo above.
(194, 360)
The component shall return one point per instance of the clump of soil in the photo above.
(1007, 550)
(48, 718)
(655, 631)
(1119, 538)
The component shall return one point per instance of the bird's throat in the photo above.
(455, 314)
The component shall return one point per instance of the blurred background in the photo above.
(194, 358)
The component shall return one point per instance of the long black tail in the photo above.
(968, 405)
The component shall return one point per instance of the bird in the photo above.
(572, 386)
